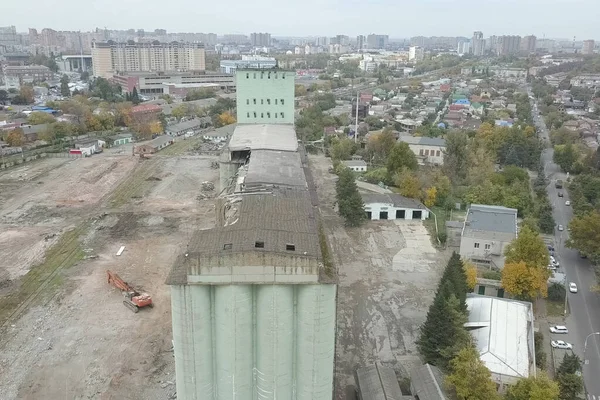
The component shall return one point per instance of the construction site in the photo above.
(65, 332)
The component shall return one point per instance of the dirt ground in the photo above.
(64, 332)
(388, 273)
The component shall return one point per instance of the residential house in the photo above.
(486, 232)
(503, 332)
(154, 145)
(512, 107)
(586, 80)
(428, 150)
(356, 165)
(463, 102)
(408, 125)
(121, 138)
(393, 206)
(507, 123)
(189, 127)
(476, 109)
(456, 107)
(427, 383)
(88, 146)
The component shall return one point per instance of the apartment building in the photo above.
(14, 76)
(508, 45)
(477, 44)
(377, 41)
(110, 57)
(260, 39)
(528, 44)
(588, 47)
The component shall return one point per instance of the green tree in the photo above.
(39, 118)
(538, 388)
(135, 98)
(379, 146)
(85, 76)
(350, 204)
(3, 95)
(585, 234)
(342, 149)
(408, 183)
(570, 386)
(529, 248)
(456, 156)
(64, 86)
(470, 378)
(400, 157)
(565, 156)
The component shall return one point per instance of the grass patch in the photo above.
(181, 146)
(44, 278)
(555, 308)
(137, 184)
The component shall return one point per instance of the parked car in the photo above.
(550, 247)
(572, 287)
(567, 203)
(560, 194)
(561, 228)
(559, 329)
(559, 344)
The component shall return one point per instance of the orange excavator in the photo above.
(134, 299)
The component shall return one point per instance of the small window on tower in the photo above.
(247, 75)
(259, 244)
(248, 115)
(290, 247)
(227, 246)
(254, 101)
(268, 115)
(269, 101)
(282, 102)
(247, 101)
(262, 101)
(275, 101)
(281, 115)
(262, 115)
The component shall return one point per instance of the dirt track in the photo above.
(66, 333)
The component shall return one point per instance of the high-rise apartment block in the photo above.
(415, 53)
(8, 36)
(265, 96)
(508, 45)
(377, 41)
(361, 42)
(528, 44)
(110, 57)
(253, 307)
(477, 44)
(588, 47)
(260, 39)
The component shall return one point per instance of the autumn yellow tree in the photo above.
(470, 378)
(156, 128)
(226, 118)
(409, 184)
(92, 123)
(524, 282)
(430, 196)
(16, 137)
(38, 118)
(471, 272)
(528, 247)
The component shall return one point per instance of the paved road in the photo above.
(585, 304)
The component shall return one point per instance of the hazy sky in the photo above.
(397, 18)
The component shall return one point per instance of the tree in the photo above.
(3, 95)
(350, 204)
(569, 381)
(225, 118)
(409, 184)
(85, 76)
(471, 274)
(523, 282)
(27, 94)
(401, 157)
(456, 156)
(585, 234)
(39, 118)
(529, 248)
(430, 196)
(199, 94)
(379, 146)
(299, 90)
(135, 98)
(16, 137)
(538, 388)
(565, 156)
(470, 378)
(342, 149)
(64, 86)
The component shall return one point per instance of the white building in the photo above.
(393, 206)
(415, 53)
(502, 330)
(247, 62)
(356, 165)
(589, 80)
(487, 231)
(428, 150)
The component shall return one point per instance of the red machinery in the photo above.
(134, 300)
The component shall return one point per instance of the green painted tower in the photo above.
(265, 96)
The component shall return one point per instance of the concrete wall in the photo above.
(495, 253)
(267, 94)
(432, 154)
(254, 342)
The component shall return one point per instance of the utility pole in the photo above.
(356, 126)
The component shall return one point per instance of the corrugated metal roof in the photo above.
(378, 383)
(264, 137)
(392, 198)
(355, 163)
(501, 329)
(427, 383)
(491, 218)
(422, 140)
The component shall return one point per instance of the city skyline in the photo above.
(334, 17)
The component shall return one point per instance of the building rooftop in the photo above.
(264, 137)
(273, 167)
(376, 382)
(146, 108)
(160, 140)
(427, 382)
(355, 163)
(182, 126)
(392, 198)
(491, 218)
(422, 140)
(503, 333)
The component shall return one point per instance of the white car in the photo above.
(559, 329)
(567, 203)
(559, 344)
(560, 228)
(572, 287)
